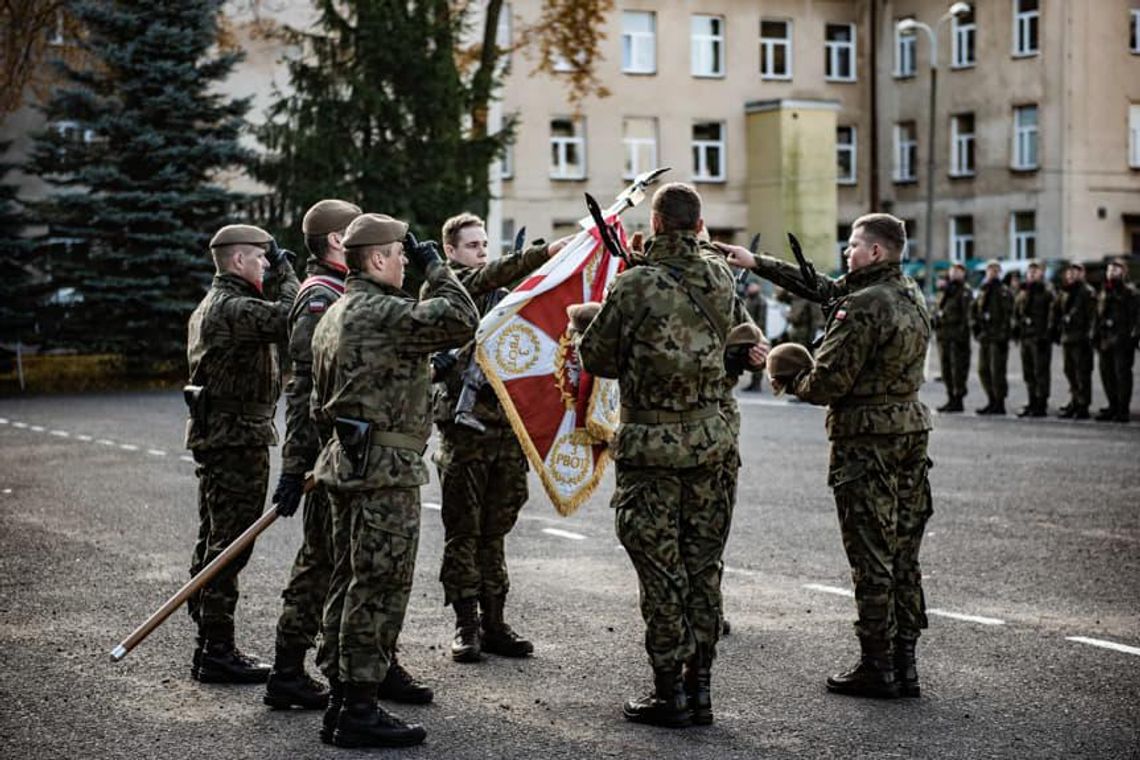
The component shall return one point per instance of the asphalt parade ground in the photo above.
(1031, 566)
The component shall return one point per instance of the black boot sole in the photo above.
(910, 690)
(352, 741)
(702, 717)
(878, 692)
(470, 655)
(277, 702)
(205, 675)
(406, 698)
(681, 720)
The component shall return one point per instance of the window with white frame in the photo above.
(842, 237)
(639, 136)
(1134, 135)
(962, 145)
(638, 42)
(912, 250)
(839, 52)
(1134, 30)
(1025, 137)
(845, 153)
(708, 151)
(963, 34)
(1026, 14)
(906, 46)
(906, 151)
(567, 148)
(507, 162)
(961, 238)
(1023, 235)
(707, 46)
(775, 49)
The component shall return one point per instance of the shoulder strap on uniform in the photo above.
(714, 317)
(314, 280)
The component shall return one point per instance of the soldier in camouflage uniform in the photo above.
(371, 378)
(952, 326)
(234, 384)
(991, 317)
(804, 320)
(1117, 337)
(1074, 315)
(661, 332)
(1031, 312)
(482, 468)
(868, 370)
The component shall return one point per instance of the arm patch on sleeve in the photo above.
(317, 306)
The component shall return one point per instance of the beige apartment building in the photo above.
(803, 114)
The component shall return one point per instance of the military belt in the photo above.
(395, 440)
(880, 399)
(247, 408)
(666, 416)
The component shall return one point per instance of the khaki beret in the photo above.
(329, 215)
(374, 229)
(743, 335)
(993, 263)
(788, 359)
(582, 314)
(240, 234)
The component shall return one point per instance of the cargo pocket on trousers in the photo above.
(843, 481)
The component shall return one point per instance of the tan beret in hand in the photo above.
(374, 229)
(240, 234)
(582, 314)
(745, 334)
(785, 363)
(329, 215)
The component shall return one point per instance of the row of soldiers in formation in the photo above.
(374, 366)
(1075, 317)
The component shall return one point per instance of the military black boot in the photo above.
(497, 636)
(1041, 407)
(363, 723)
(666, 705)
(998, 407)
(697, 675)
(1107, 414)
(1080, 413)
(222, 662)
(401, 686)
(1067, 411)
(332, 712)
(949, 406)
(987, 409)
(906, 672)
(465, 646)
(1028, 409)
(874, 676)
(290, 686)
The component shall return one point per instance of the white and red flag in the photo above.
(563, 417)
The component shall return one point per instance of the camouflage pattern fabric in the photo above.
(804, 320)
(483, 483)
(482, 475)
(672, 508)
(869, 369)
(1117, 334)
(304, 597)
(1032, 311)
(1074, 316)
(952, 326)
(371, 582)
(231, 496)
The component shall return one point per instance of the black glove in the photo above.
(287, 496)
(278, 255)
(422, 254)
(441, 364)
(736, 359)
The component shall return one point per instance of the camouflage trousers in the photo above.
(954, 354)
(993, 356)
(231, 496)
(674, 525)
(1036, 361)
(375, 537)
(1116, 374)
(482, 478)
(304, 597)
(882, 495)
(1078, 364)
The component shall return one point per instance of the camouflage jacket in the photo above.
(666, 354)
(992, 312)
(787, 276)
(370, 362)
(1074, 313)
(487, 285)
(804, 318)
(1032, 309)
(323, 285)
(952, 312)
(870, 365)
(1117, 316)
(232, 352)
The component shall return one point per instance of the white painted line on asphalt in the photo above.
(1105, 644)
(20, 424)
(3, 420)
(185, 458)
(84, 438)
(968, 618)
(61, 433)
(432, 505)
(740, 571)
(7, 490)
(564, 534)
(37, 428)
(106, 442)
(156, 452)
(128, 447)
(830, 589)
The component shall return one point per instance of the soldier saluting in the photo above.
(234, 385)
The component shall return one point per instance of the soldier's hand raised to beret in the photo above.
(278, 255)
(423, 254)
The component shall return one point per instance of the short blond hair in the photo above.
(886, 229)
(457, 223)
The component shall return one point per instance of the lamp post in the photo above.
(909, 25)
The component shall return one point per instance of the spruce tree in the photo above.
(133, 143)
(21, 283)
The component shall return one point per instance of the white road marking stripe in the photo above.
(128, 447)
(61, 433)
(156, 452)
(739, 570)
(3, 420)
(37, 428)
(6, 490)
(432, 505)
(20, 424)
(1105, 644)
(968, 618)
(105, 442)
(830, 589)
(185, 458)
(564, 534)
(84, 438)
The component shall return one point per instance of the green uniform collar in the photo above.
(362, 283)
(234, 284)
(880, 271)
(671, 245)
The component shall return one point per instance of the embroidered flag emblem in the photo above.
(317, 306)
(841, 314)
